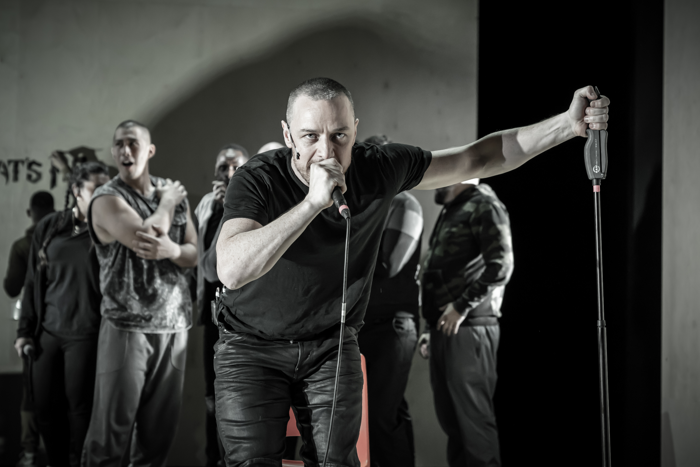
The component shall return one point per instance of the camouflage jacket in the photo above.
(470, 257)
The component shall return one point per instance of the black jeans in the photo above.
(63, 383)
(257, 380)
(463, 377)
(214, 449)
(388, 347)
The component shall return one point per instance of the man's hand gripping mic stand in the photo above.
(596, 159)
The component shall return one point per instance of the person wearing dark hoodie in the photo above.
(61, 317)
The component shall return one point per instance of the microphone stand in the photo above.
(596, 160)
(344, 211)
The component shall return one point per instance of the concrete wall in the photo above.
(70, 71)
(681, 237)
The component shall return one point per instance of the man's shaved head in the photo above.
(270, 146)
(317, 89)
(126, 124)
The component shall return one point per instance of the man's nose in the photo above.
(324, 149)
(231, 171)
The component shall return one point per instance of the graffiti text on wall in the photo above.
(21, 170)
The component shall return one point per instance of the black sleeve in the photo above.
(28, 318)
(246, 197)
(405, 165)
(16, 271)
(490, 225)
(208, 260)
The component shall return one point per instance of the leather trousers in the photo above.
(257, 380)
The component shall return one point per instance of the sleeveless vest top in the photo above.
(150, 296)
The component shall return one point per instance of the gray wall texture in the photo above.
(203, 73)
(680, 388)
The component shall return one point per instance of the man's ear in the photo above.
(286, 134)
(151, 150)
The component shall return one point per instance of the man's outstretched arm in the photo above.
(504, 151)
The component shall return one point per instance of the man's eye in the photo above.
(340, 135)
(310, 136)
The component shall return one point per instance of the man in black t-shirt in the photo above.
(280, 256)
(208, 213)
(390, 333)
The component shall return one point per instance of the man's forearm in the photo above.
(495, 154)
(244, 256)
(187, 258)
(162, 217)
(509, 149)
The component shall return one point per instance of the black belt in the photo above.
(481, 321)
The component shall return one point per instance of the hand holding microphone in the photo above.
(327, 185)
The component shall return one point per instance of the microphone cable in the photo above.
(345, 212)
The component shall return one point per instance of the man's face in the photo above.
(131, 150)
(320, 129)
(227, 162)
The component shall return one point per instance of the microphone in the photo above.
(340, 203)
(28, 350)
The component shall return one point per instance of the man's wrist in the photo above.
(309, 207)
(461, 307)
(176, 252)
(167, 203)
(565, 126)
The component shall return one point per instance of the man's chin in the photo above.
(128, 172)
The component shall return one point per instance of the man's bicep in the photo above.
(113, 219)
(450, 166)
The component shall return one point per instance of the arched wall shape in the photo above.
(412, 95)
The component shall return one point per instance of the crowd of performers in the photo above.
(113, 282)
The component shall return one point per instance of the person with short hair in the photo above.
(390, 333)
(269, 147)
(280, 257)
(145, 239)
(208, 214)
(41, 204)
(467, 266)
(60, 319)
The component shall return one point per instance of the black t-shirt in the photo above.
(210, 287)
(213, 224)
(300, 297)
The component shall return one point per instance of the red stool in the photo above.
(363, 440)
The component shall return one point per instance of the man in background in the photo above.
(144, 238)
(389, 335)
(40, 205)
(269, 147)
(468, 263)
(208, 214)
